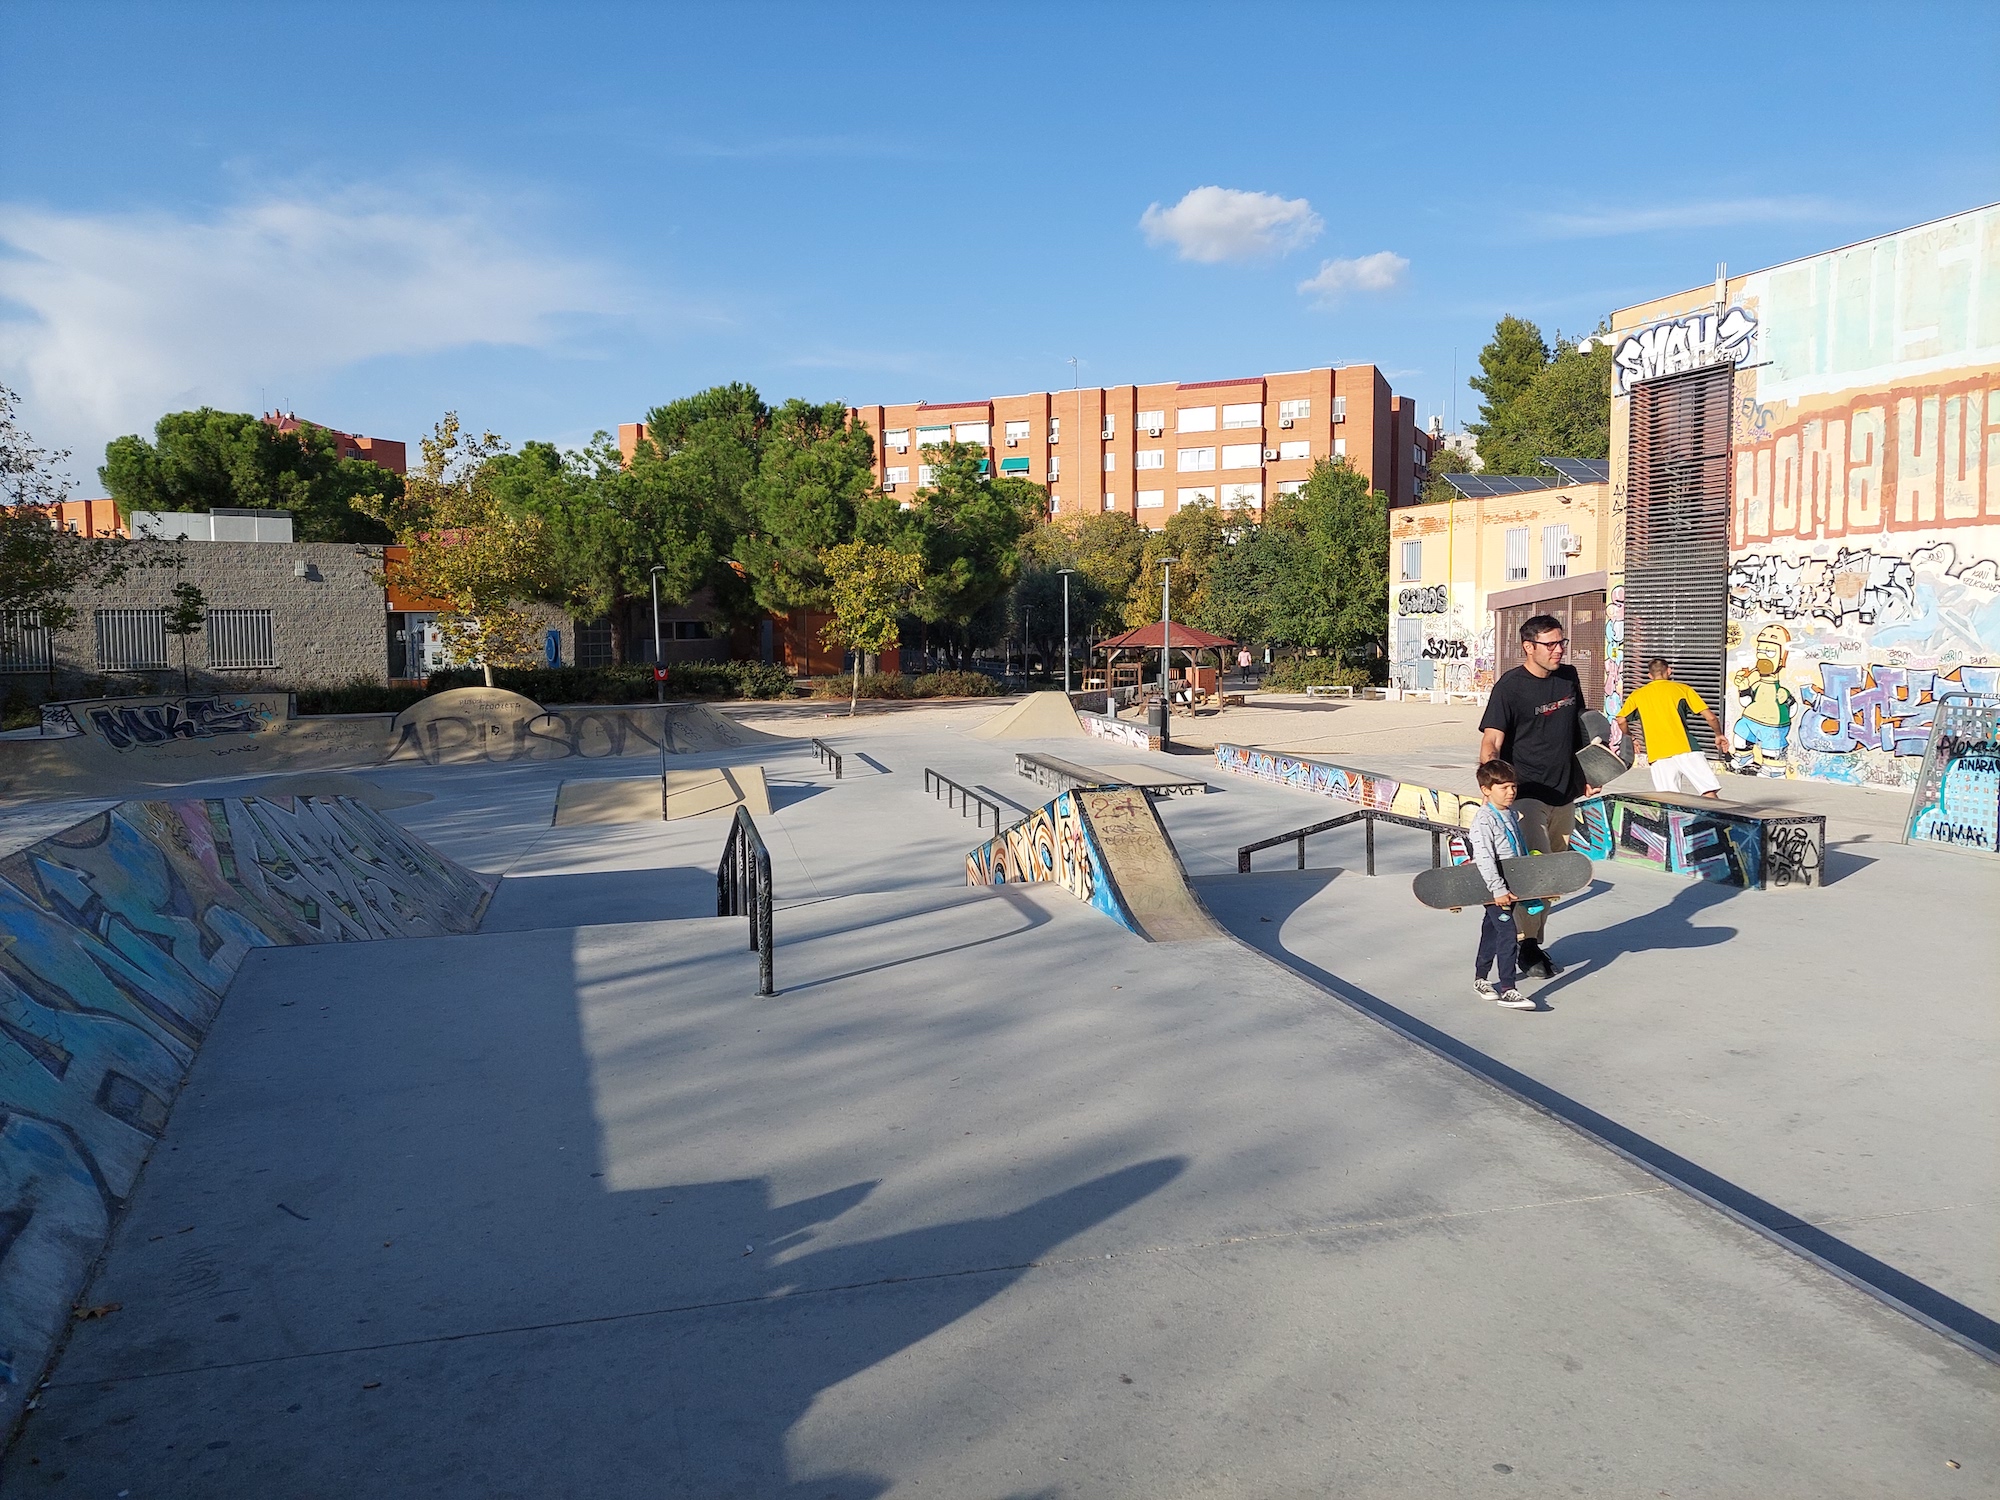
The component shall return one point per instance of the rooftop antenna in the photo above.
(1721, 285)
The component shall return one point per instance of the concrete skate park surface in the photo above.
(994, 1198)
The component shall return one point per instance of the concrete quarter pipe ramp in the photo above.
(1105, 846)
(118, 938)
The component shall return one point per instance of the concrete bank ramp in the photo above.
(1105, 846)
(1039, 716)
(493, 725)
(118, 938)
(125, 747)
(676, 794)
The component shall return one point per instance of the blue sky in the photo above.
(550, 218)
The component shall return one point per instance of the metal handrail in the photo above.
(1368, 815)
(826, 755)
(935, 782)
(743, 886)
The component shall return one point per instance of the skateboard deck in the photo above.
(1601, 764)
(1531, 877)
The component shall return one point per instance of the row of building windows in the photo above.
(1187, 460)
(135, 640)
(1557, 549)
(1249, 414)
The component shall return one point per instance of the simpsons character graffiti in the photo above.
(1764, 727)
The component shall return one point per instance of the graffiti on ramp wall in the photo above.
(1362, 788)
(1053, 844)
(122, 935)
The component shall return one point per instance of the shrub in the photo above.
(1297, 673)
(955, 685)
(631, 682)
(873, 685)
(360, 697)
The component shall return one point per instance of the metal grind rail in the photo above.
(826, 755)
(1368, 815)
(963, 798)
(743, 887)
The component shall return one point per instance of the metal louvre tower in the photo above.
(1677, 532)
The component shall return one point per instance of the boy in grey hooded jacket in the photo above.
(1495, 835)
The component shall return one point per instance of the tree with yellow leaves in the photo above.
(468, 549)
(870, 588)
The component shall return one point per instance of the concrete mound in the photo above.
(1039, 716)
(694, 794)
(1105, 846)
(122, 935)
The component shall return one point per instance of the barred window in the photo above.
(25, 643)
(593, 643)
(241, 638)
(1517, 554)
(131, 640)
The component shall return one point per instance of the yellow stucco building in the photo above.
(1464, 573)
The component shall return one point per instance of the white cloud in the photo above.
(115, 318)
(1380, 272)
(1714, 213)
(1217, 223)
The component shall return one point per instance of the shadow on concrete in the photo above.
(1836, 864)
(533, 903)
(1917, 1299)
(786, 794)
(1031, 915)
(1587, 955)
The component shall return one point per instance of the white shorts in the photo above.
(1692, 768)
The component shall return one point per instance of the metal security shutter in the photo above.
(241, 638)
(131, 640)
(1517, 554)
(1677, 531)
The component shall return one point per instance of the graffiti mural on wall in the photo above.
(1428, 600)
(123, 933)
(1882, 462)
(1684, 344)
(1850, 650)
(129, 726)
(1362, 788)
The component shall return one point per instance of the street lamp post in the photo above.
(1065, 578)
(1166, 627)
(659, 682)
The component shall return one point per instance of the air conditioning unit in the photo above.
(1572, 546)
(888, 489)
(1013, 442)
(1285, 422)
(902, 447)
(1154, 431)
(1270, 455)
(1106, 436)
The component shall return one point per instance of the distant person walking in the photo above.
(1243, 660)
(1670, 755)
(1534, 721)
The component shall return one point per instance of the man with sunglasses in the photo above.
(1534, 720)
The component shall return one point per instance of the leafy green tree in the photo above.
(1328, 573)
(1540, 401)
(1445, 461)
(40, 564)
(966, 528)
(207, 459)
(1196, 536)
(185, 617)
(607, 524)
(468, 548)
(814, 473)
(868, 588)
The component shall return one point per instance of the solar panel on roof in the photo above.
(1582, 470)
(1480, 486)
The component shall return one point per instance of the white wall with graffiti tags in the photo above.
(1864, 575)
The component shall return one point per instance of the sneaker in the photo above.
(1483, 988)
(1515, 1000)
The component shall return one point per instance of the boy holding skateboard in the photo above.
(1495, 834)
(1675, 763)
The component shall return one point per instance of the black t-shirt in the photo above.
(1541, 719)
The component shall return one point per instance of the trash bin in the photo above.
(1157, 721)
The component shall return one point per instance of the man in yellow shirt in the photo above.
(1669, 752)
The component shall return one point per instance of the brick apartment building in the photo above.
(1148, 450)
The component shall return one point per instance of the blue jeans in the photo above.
(1497, 939)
